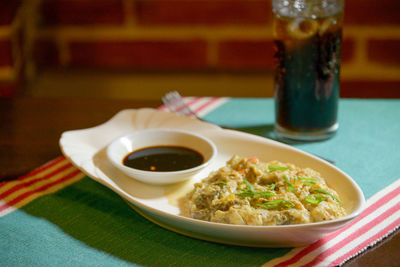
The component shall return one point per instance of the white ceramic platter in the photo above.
(86, 149)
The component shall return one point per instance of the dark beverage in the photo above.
(307, 75)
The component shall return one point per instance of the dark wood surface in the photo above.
(30, 130)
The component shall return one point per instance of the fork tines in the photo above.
(175, 103)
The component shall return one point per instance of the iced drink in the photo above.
(307, 63)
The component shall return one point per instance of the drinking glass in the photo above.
(308, 37)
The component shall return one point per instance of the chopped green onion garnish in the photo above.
(309, 183)
(245, 193)
(307, 180)
(290, 185)
(276, 201)
(316, 200)
(249, 185)
(272, 186)
(322, 191)
(312, 201)
(277, 168)
(277, 204)
(264, 193)
(248, 193)
(319, 197)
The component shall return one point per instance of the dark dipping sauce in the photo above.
(163, 159)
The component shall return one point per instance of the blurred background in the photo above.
(141, 49)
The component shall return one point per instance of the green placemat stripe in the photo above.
(91, 219)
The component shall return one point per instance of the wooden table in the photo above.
(30, 130)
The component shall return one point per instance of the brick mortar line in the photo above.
(374, 72)
(8, 30)
(5, 32)
(360, 51)
(377, 31)
(7, 74)
(215, 34)
(30, 11)
(17, 48)
(159, 32)
(129, 16)
(212, 53)
(64, 52)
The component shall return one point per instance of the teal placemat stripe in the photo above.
(86, 224)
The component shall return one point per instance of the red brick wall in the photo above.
(9, 67)
(207, 35)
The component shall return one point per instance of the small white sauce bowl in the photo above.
(124, 145)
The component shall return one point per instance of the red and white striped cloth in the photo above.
(46, 179)
(380, 217)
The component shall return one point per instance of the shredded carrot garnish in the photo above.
(242, 171)
(253, 160)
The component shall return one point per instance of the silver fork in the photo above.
(175, 103)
